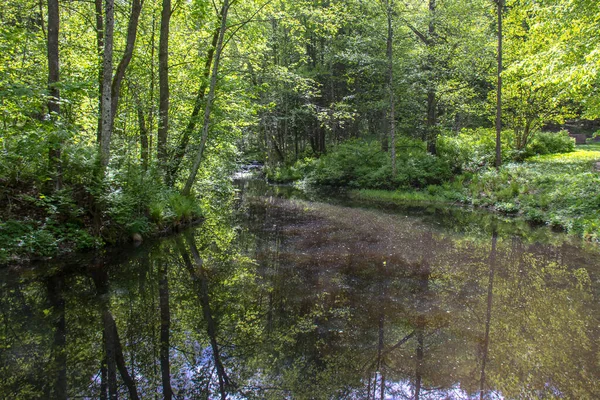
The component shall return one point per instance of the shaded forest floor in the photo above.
(560, 190)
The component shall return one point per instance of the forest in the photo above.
(122, 119)
(299, 199)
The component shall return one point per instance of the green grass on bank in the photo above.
(561, 190)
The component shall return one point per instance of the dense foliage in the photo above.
(128, 117)
(560, 190)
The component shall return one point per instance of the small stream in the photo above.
(290, 295)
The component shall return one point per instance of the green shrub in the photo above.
(184, 208)
(290, 173)
(473, 150)
(551, 143)
(362, 165)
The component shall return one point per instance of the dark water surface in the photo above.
(293, 298)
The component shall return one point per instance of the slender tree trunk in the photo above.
(143, 127)
(165, 328)
(180, 150)
(106, 131)
(390, 57)
(499, 88)
(55, 149)
(163, 83)
(211, 96)
(150, 119)
(100, 50)
(431, 90)
(136, 8)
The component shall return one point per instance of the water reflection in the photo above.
(309, 300)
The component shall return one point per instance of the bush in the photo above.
(473, 150)
(362, 164)
(551, 143)
(290, 173)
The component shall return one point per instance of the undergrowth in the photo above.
(560, 190)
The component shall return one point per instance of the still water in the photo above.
(291, 297)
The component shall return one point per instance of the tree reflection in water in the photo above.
(298, 299)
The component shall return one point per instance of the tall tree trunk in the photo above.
(110, 86)
(209, 101)
(499, 88)
(431, 90)
(152, 105)
(100, 50)
(180, 150)
(107, 64)
(136, 8)
(165, 328)
(143, 127)
(163, 83)
(55, 149)
(390, 57)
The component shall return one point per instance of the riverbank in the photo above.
(560, 190)
(36, 226)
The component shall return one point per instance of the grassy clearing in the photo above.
(561, 190)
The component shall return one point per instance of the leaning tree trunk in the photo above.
(136, 8)
(54, 154)
(180, 150)
(209, 101)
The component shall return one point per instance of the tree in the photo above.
(163, 76)
(499, 87)
(209, 101)
(53, 90)
(107, 65)
(389, 7)
(111, 86)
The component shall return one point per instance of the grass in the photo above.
(561, 190)
(408, 197)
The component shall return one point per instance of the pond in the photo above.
(295, 296)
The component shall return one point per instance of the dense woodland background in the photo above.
(122, 117)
